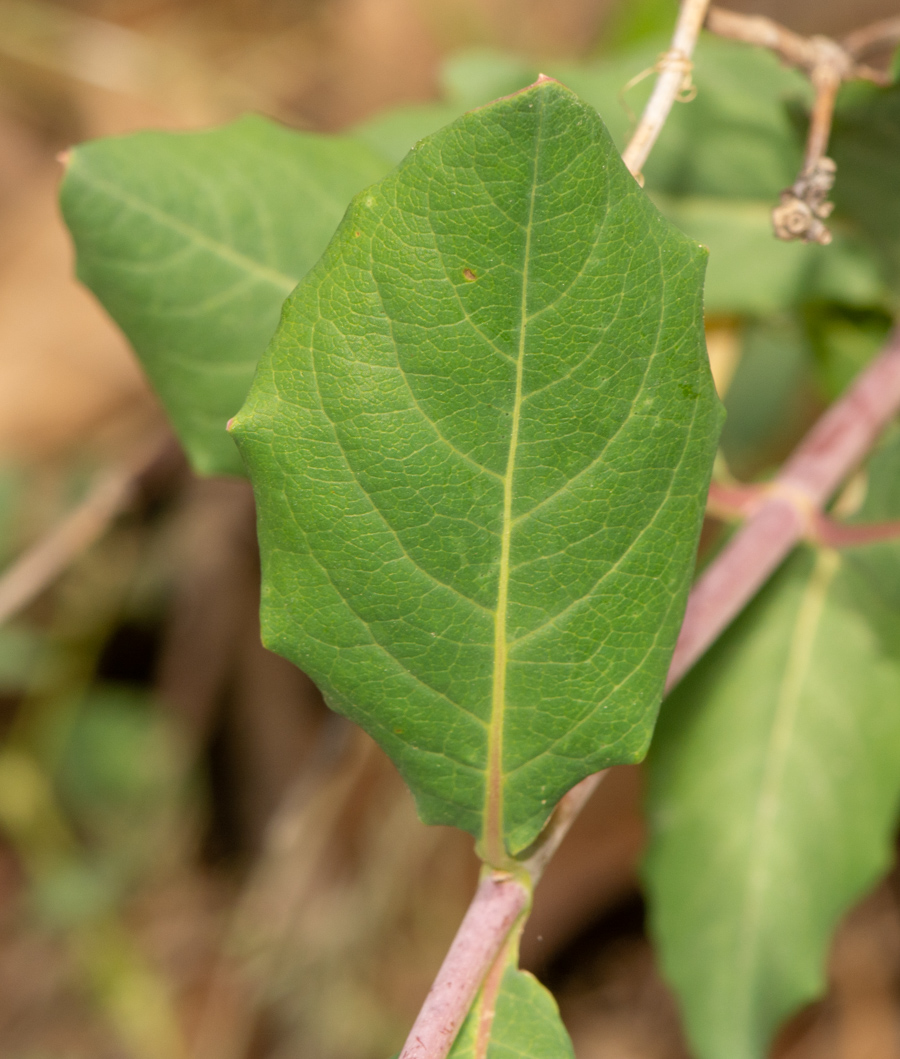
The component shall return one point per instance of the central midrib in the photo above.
(494, 846)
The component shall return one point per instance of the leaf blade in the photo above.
(458, 492)
(773, 796)
(526, 1023)
(192, 241)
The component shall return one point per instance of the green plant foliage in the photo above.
(118, 764)
(192, 241)
(775, 779)
(526, 1023)
(716, 171)
(865, 144)
(772, 381)
(480, 443)
(751, 273)
(845, 340)
(469, 79)
(634, 21)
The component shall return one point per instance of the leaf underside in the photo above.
(480, 444)
(526, 1024)
(192, 241)
(774, 787)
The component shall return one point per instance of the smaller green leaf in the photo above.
(775, 779)
(526, 1023)
(192, 241)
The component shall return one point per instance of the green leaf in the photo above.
(526, 1023)
(192, 241)
(480, 444)
(774, 785)
(880, 563)
(865, 144)
(773, 379)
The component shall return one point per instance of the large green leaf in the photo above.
(192, 241)
(480, 442)
(775, 778)
(526, 1023)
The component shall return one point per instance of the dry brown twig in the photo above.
(674, 79)
(41, 564)
(804, 206)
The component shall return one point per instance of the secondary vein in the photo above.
(259, 271)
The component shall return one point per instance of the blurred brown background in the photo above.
(283, 901)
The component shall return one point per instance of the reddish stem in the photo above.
(832, 534)
(733, 502)
(498, 902)
(832, 449)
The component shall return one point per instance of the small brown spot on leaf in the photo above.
(469, 275)
(357, 234)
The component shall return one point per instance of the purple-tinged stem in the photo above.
(498, 902)
(827, 455)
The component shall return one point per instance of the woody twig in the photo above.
(805, 206)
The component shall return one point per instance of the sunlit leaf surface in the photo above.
(480, 443)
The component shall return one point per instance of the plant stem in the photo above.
(499, 901)
(674, 66)
(832, 449)
(804, 206)
(41, 564)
